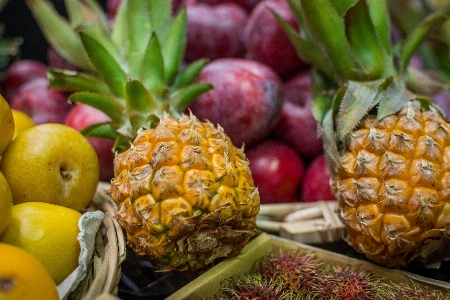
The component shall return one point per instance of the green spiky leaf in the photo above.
(305, 49)
(392, 98)
(379, 15)
(174, 45)
(139, 101)
(139, 33)
(359, 98)
(416, 37)
(329, 139)
(153, 73)
(102, 130)
(111, 106)
(73, 81)
(109, 69)
(181, 99)
(364, 42)
(189, 74)
(161, 17)
(330, 37)
(59, 33)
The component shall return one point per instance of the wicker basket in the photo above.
(110, 250)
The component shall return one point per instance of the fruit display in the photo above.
(199, 114)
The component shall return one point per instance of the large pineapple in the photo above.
(184, 192)
(388, 148)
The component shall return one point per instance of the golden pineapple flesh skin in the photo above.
(393, 187)
(185, 194)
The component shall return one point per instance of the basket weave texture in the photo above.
(110, 251)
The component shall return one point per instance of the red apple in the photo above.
(277, 171)
(247, 4)
(18, 73)
(246, 99)
(297, 125)
(41, 102)
(316, 181)
(81, 116)
(266, 41)
(215, 31)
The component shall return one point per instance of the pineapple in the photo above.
(387, 145)
(184, 192)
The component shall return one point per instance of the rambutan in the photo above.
(255, 286)
(337, 283)
(403, 291)
(296, 269)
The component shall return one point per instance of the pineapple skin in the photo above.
(393, 187)
(185, 195)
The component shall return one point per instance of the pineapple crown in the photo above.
(356, 68)
(131, 70)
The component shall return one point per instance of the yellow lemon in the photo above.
(51, 163)
(49, 233)
(23, 277)
(22, 121)
(6, 203)
(6, 125)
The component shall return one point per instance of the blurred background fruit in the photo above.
(277, 171)
(22, 121)
(23, 277)
(246, 100)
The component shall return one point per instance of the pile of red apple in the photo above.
(261, 95)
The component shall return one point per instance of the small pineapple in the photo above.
(185, 193)
(388, 149)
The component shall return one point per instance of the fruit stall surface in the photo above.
(296, 211)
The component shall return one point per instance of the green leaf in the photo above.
(326, 27)
(363, 41)
(189, 74)
(357, 101)
(105, 64)
(415, 38)
(329, 140)
(138, 98)
(76, 82)
(96, 32)
(379, 14)
(101, 130)
(59, 33)
(90, 11)
(161, 17)
(185, 96)
(320, 106)
(174, 45)
(112, 107)
(341, 6)
(392, 99)
(119, 34)
(305, 49)
(139, 33)
(152, 72)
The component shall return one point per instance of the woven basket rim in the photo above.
(105, 274)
